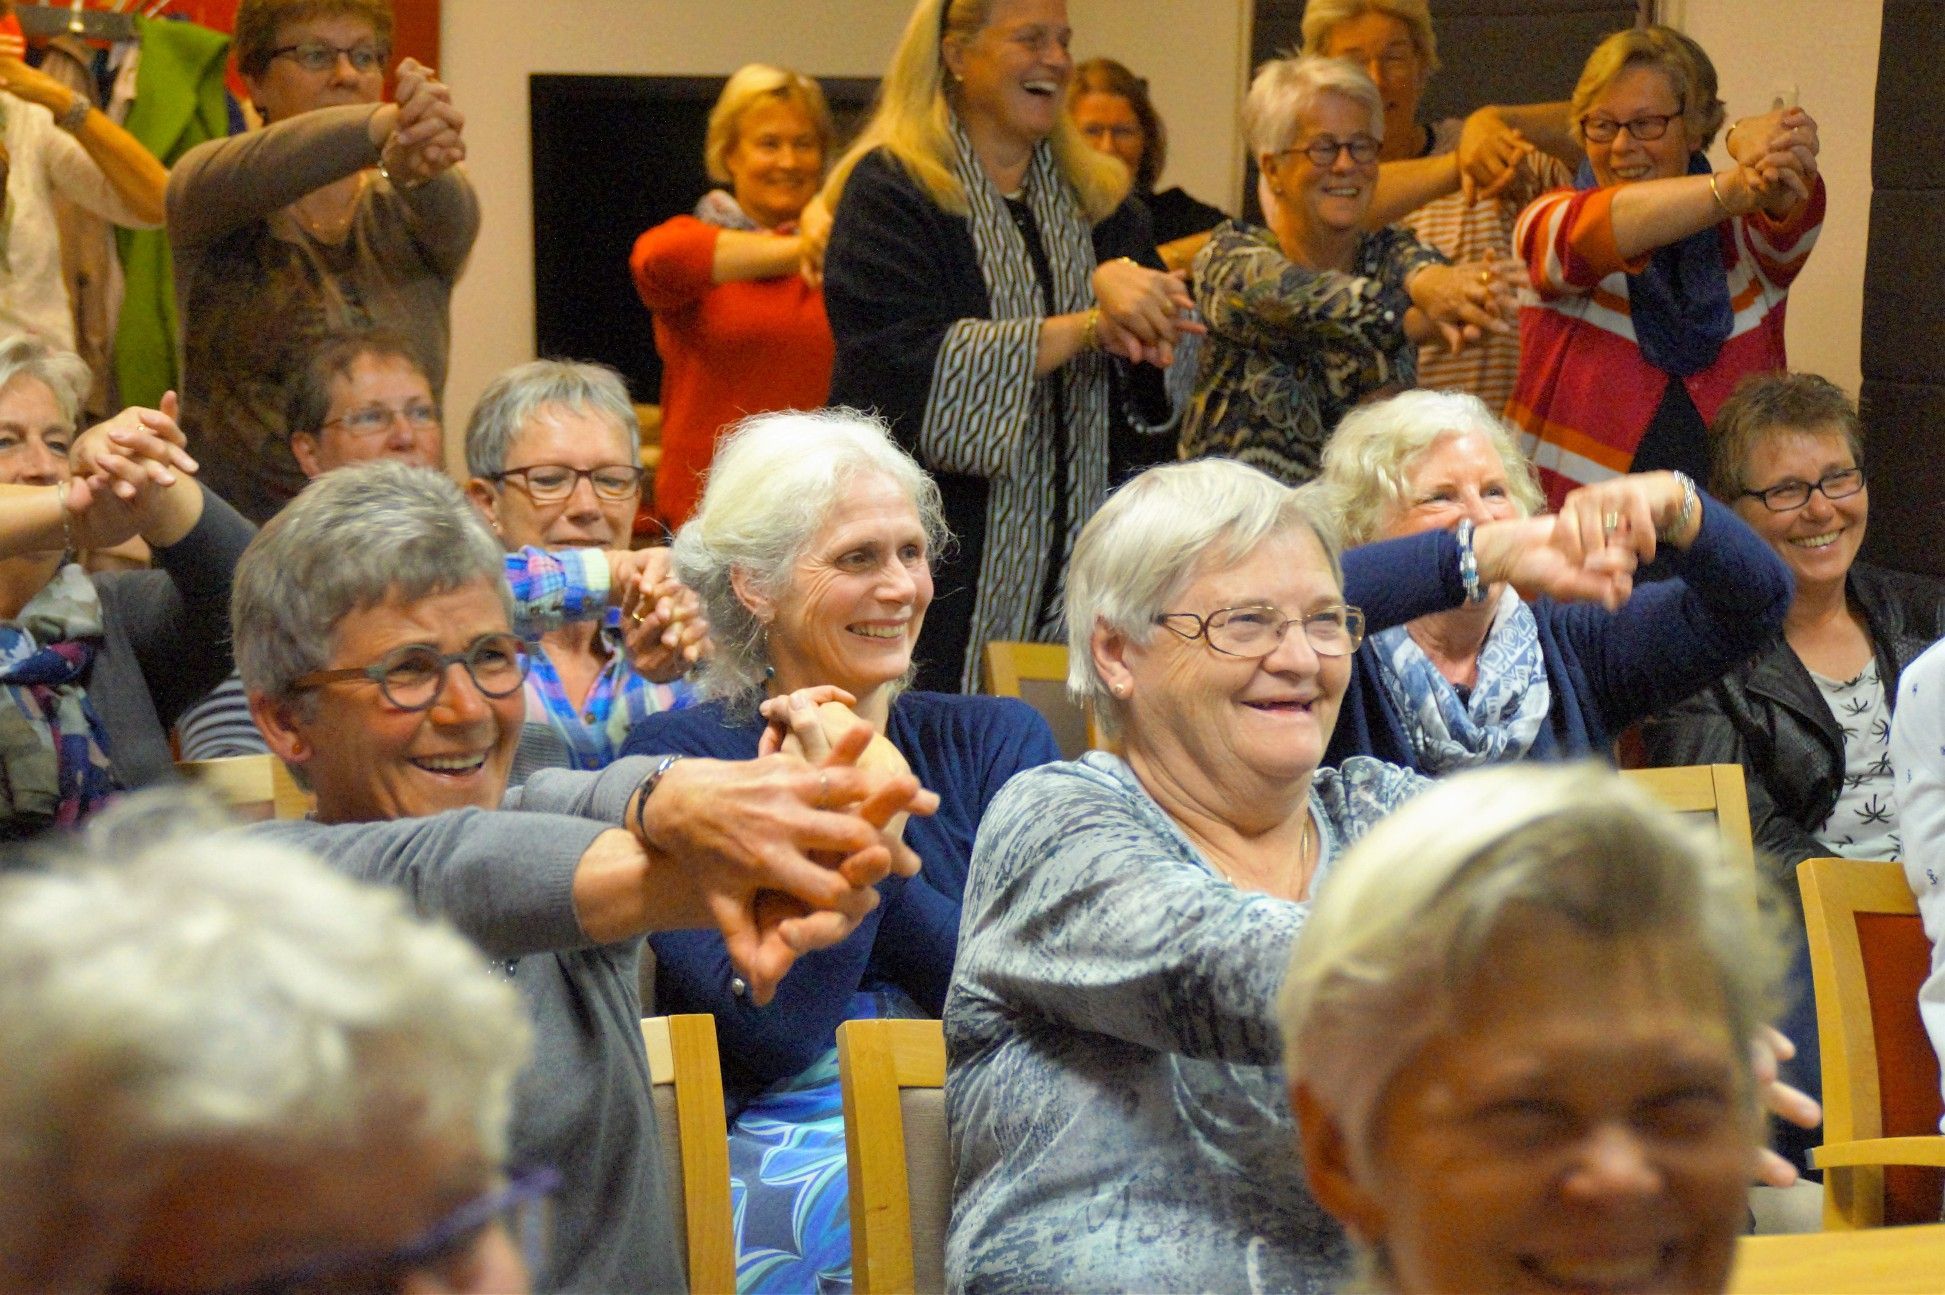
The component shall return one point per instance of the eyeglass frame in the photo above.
(1369, 143)
(1629, 125)
(380, 56)
(464, 1224)
(1818, 487)
(392, 415)
(377, 671)
(526, 484)
(1353, 625)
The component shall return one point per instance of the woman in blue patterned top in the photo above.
(1117, 1110)
(812, 552)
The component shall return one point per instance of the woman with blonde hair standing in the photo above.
(987, 286)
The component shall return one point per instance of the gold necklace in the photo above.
(333, 228)
(1296, 870)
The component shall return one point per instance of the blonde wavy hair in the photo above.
(913, 119)
(750, 85)
(1690, 74)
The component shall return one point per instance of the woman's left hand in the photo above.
(1465, 302)
(1782, 1101)
(814, 231)
(1143, 311)
(1490, 150)
(132, 450)
(1778, 153)
(1633, 510)
(426, 134)
(664, 630)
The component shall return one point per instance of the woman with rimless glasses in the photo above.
(342, 212)
(1661, 281)
(1808, 719)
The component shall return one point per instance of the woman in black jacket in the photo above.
(1809, 719)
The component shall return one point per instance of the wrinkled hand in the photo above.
(1491, 151)
(1543, 556)
(137, 447)
(664, 630)
(1778, 151)
(1629, 510)
(426, 135)
(1143, 311)
(748, 837)
(814, 232)
(1780, 1100)
(1466, 302)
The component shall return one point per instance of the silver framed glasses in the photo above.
(1254, 631)
(411, 677)
(1785, 495)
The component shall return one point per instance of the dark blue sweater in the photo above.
(964, 748)
(1606, 669)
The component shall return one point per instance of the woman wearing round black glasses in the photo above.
(1809, 719)
(1313, 315)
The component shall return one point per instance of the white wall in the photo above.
(1825, 52)
(1192, 51)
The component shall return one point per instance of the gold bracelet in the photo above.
(1717, 195)
(1090, 329)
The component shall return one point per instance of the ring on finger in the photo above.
(823, 789)
(1610, 523)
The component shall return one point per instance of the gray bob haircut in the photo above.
(1411, 913)
(354, 537)
(514, 398)
(1154, 536)
(770, 488)
(179, 985)
(1367, 459)
(62, 372)
(1286, 89)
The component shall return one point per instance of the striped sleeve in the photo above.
(551, 589)
(981, 402)
(1780, 247)
(1566, 238)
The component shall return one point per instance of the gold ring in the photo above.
(638, 616)
(1485, 276)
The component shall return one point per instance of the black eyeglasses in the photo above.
(1254, 632)
(321, 56)
(1648, 126)
(519, 1205)
(1785, 495)
(411, 677)
(549, 483)
(1323, 150)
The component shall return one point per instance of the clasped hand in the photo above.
(425, 136)
(124, 471)
(1144, 312)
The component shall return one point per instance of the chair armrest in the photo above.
(1880, 1152)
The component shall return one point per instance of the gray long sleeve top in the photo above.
(506, 879)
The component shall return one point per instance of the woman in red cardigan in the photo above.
(1661, 282)
(739, 330)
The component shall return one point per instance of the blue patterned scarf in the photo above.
(1502, 715)
(719, 207)
(1680, 303)
(54, 765)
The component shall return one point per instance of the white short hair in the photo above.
(1152, 538)
(1285, 90)
(1406, 918)
(1367, 459)
(769, 490)
(177, 987)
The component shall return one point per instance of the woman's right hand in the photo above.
(814, 235)
(1544, 556)
(1467, 301)
(1143, 311)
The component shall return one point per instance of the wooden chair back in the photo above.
(895, 1150)
(688, 1092)
(254, 787)
(1716, 792)
(1036, 673)
(1884, 1261)
(1882, 1152)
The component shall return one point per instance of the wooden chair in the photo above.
(1036, 673)
(254, 787)
(1715, 790)
(688, 1093)
(893, 1077)
(1882, 1151)
(1884, 1261)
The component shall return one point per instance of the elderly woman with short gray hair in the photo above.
(812, 551)
(1314, 314)
(1479, 1121)
(1460, 670)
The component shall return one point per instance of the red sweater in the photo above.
(728, 349)
(1585, 394)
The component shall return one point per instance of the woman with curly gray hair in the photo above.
(812, 551)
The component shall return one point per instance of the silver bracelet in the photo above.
(1469, 563)
(386, 175)
(647, 789)
(1690, 503)
(74, 114)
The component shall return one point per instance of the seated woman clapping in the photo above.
(812, 552)
(96, 668)
(1460, 672)
(1479, 1121)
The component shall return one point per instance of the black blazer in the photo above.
(1768, 716)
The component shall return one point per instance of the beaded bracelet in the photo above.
(647, 789)
(1469, 563)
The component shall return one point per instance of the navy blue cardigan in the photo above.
(1606, 669)
(964, 748)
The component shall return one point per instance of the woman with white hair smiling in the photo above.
(1478, 1121)
(812, 552)
(1464, 671)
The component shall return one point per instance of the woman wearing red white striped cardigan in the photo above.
(1661, 282)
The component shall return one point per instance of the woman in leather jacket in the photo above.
(1809, 718)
